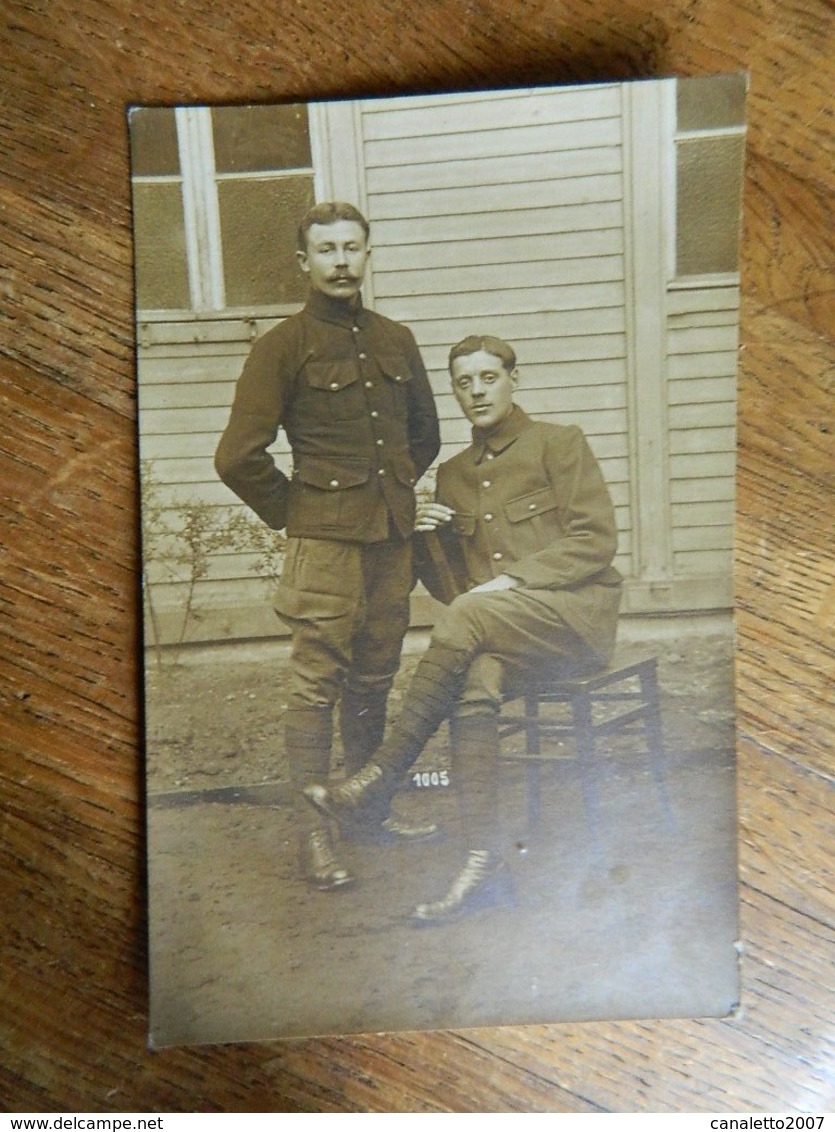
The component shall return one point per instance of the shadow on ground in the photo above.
(622, 908)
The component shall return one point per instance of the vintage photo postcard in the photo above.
(437, 436)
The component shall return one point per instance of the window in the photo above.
(710, 140)
(217, 195)
(159, 225)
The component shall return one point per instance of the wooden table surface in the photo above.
(72, 1011)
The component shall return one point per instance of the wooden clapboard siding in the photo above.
(167, 395)
(707, 440)
(719, 364)
(552, 194)
(492, 170)
(490, 214)
(186, 379)
(702, 344)
(601, 405)
(525, 325)
(225, 567)
(508, 222)
(206, 489)
(695, 466)
(164, 446)
(482, 112)
(544, 272)
(704, 489)
(693, 417)
(480, 140)
(552, 362)
(479, 307)
(506, 217)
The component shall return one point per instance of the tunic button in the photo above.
(334, 483)
(369, 385)
(334, 385)
(488, 518)
(381, 471)
(497, 557)
(398, 377)
(485, 483)
(531, 506)
(380, 443)
(363, 356)
(355, 329)
(374, 414)
(490, 455)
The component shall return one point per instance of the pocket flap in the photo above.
(331, 376)
(404, 469)
(527, 506)
(395, 368)
(332, 473)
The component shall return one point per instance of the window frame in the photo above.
(199, 179)
(677, 281)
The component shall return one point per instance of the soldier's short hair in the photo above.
(328, 212)
(487, 342)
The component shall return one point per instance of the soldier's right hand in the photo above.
(430, 516)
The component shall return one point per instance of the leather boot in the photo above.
(392, 830)
(362, 723)
(318, 864)
(366, 796)
(308, 734)
(484, 882)
(359, 801)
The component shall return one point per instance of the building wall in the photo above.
(505, 216)
(522, 214)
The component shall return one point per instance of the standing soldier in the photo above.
(351, 392)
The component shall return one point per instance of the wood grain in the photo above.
(72, 1024)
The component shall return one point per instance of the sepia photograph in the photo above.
(437, 408)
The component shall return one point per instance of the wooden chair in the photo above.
(620, 700)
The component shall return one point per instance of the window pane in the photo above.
(711, 103)
(153, 142)
(709, 191)
(258, 138)
(159, 247)
(258, 222)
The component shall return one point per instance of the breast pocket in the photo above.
(332, 390)
(396, 380)
(530, 505)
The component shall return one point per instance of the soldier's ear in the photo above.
(303, 261)
(514, 377)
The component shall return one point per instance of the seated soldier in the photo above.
(535, 528)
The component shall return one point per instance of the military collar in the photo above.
(502, 436)
(336, 310)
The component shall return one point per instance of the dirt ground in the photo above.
(624, 894)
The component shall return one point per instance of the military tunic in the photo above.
(351, 392)
(530, 502)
